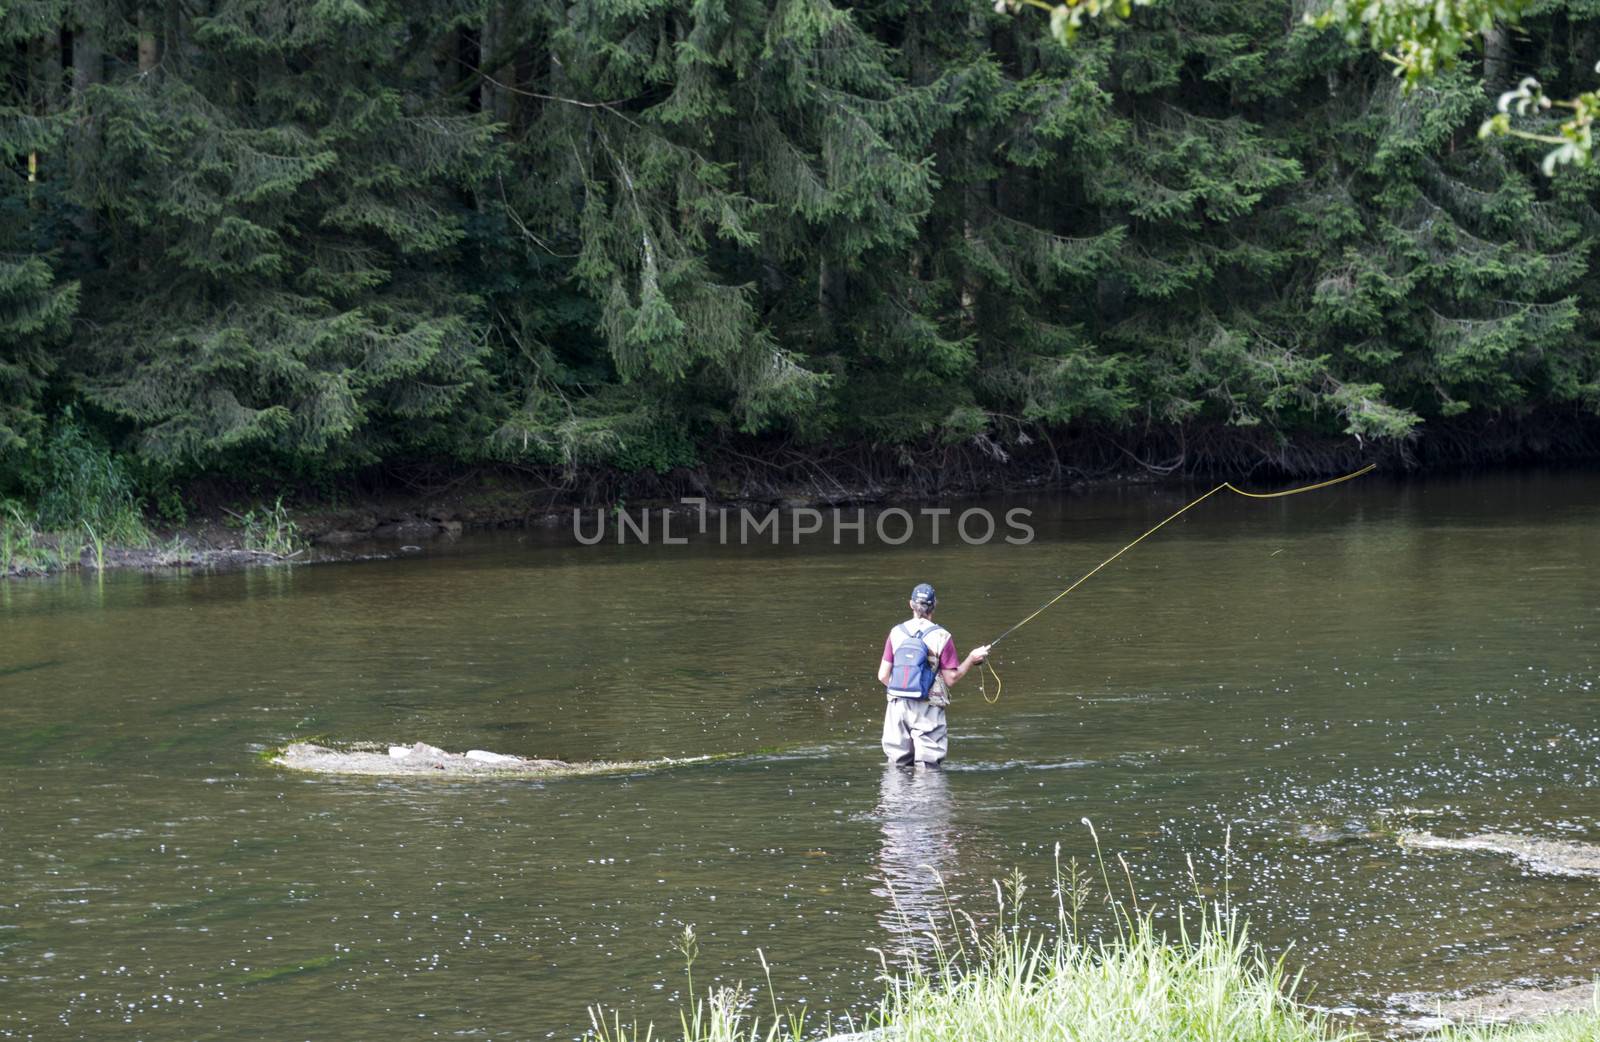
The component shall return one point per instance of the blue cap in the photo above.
(924, 595)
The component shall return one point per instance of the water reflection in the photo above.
(917, 857)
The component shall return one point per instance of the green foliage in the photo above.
(34, 312)
(1425, 37)
(23, 548)
(312, 237)
(1203, 982)
(36, 304)
(1566, 1027)
(1420, 37)
(1068, 19)
(169, 507)
(1208, 984)
(81, 486)
(290, 193)
(268, 530)
(1573, 137)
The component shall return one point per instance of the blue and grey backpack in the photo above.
(911, 675)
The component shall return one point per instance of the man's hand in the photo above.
(975, 656)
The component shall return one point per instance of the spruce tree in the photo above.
(283, 187)
(310, 236)
(36, 303)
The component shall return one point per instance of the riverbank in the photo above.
(226, 533)
(225, 523)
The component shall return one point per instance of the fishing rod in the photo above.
(1226, 485)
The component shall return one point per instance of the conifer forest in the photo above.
(309, 238)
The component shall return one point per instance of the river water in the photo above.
(1261, 688)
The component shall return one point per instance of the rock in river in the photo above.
(1500, 1007)
(1561, 857)
(428, 761)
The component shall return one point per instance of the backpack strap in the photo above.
(922, 635)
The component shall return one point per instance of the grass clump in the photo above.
(1204, 981)
(23, 548)
(722, 1016)
(84, 489)
(268, 530)
(1208, 985)
(84, 498)
(1564, 1027)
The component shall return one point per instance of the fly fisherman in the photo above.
(918, 669)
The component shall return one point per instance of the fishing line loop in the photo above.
(1226, 485)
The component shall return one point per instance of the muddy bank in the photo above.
(211, 545)
(421, 760)
(1559, 857)
(189, 552)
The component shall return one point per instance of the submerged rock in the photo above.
(424, 760)
(1335, 835)
(1561, 857)
(1502, 1006)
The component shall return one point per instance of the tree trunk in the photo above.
(1585, 50)
(88, 58)
(44, 60)
(831, 295)
(468, 49)
(1498, 56)
(172, 32)
(88, 69)
(149, 41)
(45, 89)
(499, 100)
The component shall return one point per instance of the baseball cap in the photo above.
(923, 594)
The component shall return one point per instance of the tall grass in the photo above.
(268, 530)
(1207, 984)
(84, 488)
(23, 549)
(1201, 981)
(722, 1016)
(1566, 1027)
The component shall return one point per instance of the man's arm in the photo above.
(975, 656)
(883, 673)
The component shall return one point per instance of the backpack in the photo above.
(911, 675)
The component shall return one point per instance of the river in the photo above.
(1261, 687)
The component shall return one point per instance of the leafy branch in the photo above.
(1067, 18)
(1420, 38)
(1423, 37)
(1573, 138)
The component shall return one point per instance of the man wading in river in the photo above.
(918, 669)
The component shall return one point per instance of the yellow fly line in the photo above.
(1226, 485)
